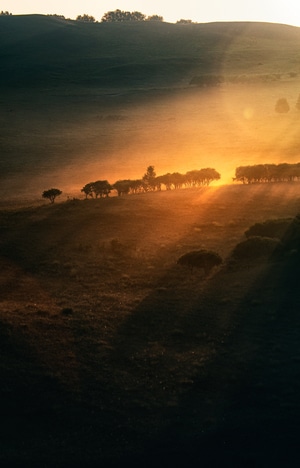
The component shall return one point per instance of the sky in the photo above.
(201, 11)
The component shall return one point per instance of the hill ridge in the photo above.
(45, 50)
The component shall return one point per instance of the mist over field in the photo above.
(103, 101)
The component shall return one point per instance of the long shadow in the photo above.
(203, 372)
(34, 407)
(237, 382)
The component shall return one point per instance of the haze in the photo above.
(93, 116)
(286, 12)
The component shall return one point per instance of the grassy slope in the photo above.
(46, 51)
(103, 101)
(109, 350)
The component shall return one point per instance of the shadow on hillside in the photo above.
(235, 359)
(203, 372)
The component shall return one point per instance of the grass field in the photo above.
(111, 352)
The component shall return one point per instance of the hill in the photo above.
(111, 352)
(47, 51)
(81, 102)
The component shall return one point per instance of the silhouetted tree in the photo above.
(261, 173)
(154, 18)
(101, 188)
(51, 194)
(121, 16)
(85, 18)
(88, 190)
(184, 21)
(149, 178)
(137, 186)
(57, 16)
(177, 180)
(282, 106)
(201, 177)
(208, 175)
(165, 179)
(5, 13)
(122, 187)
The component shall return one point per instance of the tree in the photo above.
(262, 173)
(165, 179)
(54, 15)
(122, 187)
(207, 175)
(282, 106)
(88, 190)
(85, 18)
(51, 194)
(120, 16)
(5, 13)
(149, 178)
(184, 21)
(137, 186)
(102, 188)
(154, 18)
(137, 16)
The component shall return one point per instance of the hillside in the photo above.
(112, 352)
(81, 102)
(47, 51)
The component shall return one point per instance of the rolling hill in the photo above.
(44, 50)
(111, 352)
(81, 102)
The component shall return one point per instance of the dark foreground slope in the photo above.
(112, 353)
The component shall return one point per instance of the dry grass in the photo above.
(106, 342)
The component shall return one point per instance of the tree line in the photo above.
(120, 16)
(264, 173)
(116, 16)
(150, 182)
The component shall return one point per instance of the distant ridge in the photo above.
(37, 50)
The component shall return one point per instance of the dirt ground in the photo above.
(111, 353)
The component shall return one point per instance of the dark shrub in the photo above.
(203, 259)
(271, 228)
(291, 237)
(254, 248)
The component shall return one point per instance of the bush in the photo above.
(254, 248)
(86, 18)
(291, 238)
(203, 259)
(274, 228)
